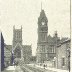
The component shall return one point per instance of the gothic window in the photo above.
(17, 35)
(17, 52)
(53, 49)
(50, 50)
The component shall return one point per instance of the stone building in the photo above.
(27, 53)
(17, 49)
(46, 45)
(1, 51)
(17, 42)
(7, 54)
(21, 52)
(52, 42)
(42, 37)
(62, 54)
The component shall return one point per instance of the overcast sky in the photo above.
(26, 13)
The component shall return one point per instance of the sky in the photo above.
(26, 13)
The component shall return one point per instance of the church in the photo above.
(17, 49)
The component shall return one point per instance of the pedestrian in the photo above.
(44, 66)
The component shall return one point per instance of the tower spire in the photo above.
(41, 6)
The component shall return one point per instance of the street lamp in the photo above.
(68, 58)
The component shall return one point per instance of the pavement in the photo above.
(18, 69)
(13, 69)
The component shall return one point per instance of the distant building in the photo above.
(62, 54)
(17, 51)
(17, 42)
(7, 54)
(52, 42)
(27, 53)
(2, 52)
(50, 48)
(46, 45)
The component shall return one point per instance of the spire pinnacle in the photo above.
(41, 6)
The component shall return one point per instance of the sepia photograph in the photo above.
(35, 35)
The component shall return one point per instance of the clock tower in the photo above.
(42, 37)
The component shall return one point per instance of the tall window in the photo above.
(50, 50)
(43, 48)
(43, 37)
(53, 50)
(17, 52)
(63, 61)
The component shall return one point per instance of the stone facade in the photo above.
(52, 42)
(7, 54)
(17, 49)
(42, 37)
(62, 54)
(1, 51)
(27, 53)
(21, 52)
(46, 45)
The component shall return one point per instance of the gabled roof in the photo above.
(64, 39)
(53, 40)
(18, 44)
(50, 40)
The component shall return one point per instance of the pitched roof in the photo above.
(64, 39)
(50, 39)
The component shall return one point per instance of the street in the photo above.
(26, 68)
(31, 68)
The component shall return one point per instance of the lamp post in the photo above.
(12, 57)
(68, 58)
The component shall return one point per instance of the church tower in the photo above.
(42, 37)
(17, 42)
(17, 36)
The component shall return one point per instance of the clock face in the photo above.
(43, 23)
